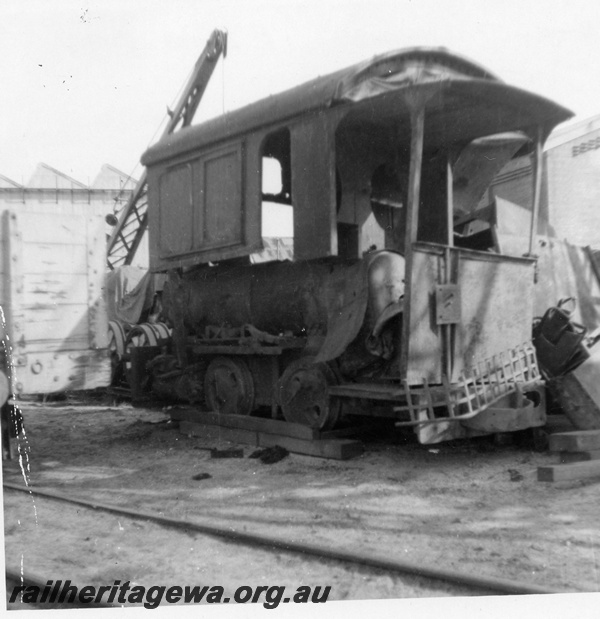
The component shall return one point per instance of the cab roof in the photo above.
(463, 100)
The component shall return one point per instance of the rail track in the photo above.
(467, 584)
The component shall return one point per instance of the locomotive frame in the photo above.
(398, 301)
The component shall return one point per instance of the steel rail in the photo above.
(491, 584)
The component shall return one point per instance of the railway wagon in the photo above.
(393, 304)
(53, 323)
(53, 319)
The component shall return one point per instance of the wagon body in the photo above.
(52, 259)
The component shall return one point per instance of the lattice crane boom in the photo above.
(132, 220)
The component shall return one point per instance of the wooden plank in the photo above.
(285, 428)
(217, 433)
(335, 449)
(256, 424)
(195, 415)
(579, 456)
(58, 323)
(342, 432)
(569, 472)
(580, 440)
(41, 289)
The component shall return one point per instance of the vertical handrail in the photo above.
(536, 190)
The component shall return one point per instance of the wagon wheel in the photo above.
(147, 334)
(229, 386)
(302, 391)
(116, 345)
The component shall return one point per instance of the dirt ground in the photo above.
(471, 506)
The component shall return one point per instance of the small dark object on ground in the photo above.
(200, 476)
(226, 453)
(515, 475)
(270, 455)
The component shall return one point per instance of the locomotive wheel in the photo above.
(302, 391)
(229, 386)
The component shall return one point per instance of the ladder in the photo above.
(130, 221)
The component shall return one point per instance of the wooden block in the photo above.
(580, 440)
(578, 394)
(579, 456)
(340, 432)
(217, 433)
(336, 449)
(285, 428)
(569, 472)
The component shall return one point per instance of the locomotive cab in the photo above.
(396, 299)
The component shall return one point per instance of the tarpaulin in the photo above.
(129, 292)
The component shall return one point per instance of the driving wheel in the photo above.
(229, 387)
(303, 394)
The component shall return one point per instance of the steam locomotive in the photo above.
(396, 301)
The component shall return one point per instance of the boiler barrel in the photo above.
(300, 297)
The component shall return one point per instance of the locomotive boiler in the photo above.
(397, 300)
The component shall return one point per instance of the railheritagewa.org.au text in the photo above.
(126, 593)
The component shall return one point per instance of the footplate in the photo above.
(489, 383)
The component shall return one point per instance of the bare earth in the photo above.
(474, 507)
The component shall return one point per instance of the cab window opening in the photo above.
(276, 186)
(481, 218)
